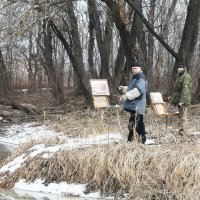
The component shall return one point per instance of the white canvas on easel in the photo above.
(100, 92)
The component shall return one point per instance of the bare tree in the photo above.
(190, 33)
(49, 66)
(150, 43)
(104, 39)
(3, 77)
(164, 33)
(74, 51)
(130, 39)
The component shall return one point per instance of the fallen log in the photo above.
(28, 108)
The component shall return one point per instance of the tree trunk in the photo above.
(119, 68)
(150, 29)
(49, 66)
(164, 34)
(104, 40)
(197, 96)
(138, 35)
(125, 35)
(150, 43)
(91, 40)
(131, 34)
(74, 52)
(3, 78)
(190, 34)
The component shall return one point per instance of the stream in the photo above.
(14, 194)
(11, 194)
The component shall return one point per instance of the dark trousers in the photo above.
(136, 123)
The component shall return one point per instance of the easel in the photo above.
(100, 94)
(159, 106)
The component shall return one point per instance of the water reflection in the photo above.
(8, 194)
(4, 151)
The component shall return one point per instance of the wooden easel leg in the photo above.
(134, 135)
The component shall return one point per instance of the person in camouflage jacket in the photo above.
(182, 95)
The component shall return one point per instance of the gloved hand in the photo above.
(169, 99)
(123, 97)
(180, 104)
(123, 89)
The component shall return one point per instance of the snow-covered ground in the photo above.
(17, 134)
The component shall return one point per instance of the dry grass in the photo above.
(142, 172)
(170, 169)
(90, 122)
(86, 123)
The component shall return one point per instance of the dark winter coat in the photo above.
(138, 104)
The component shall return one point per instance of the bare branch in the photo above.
(151, 30)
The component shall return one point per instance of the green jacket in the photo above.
(182, 89)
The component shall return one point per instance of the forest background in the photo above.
(62, 44)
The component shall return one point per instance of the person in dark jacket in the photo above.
(182, 95)
(135, 101)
